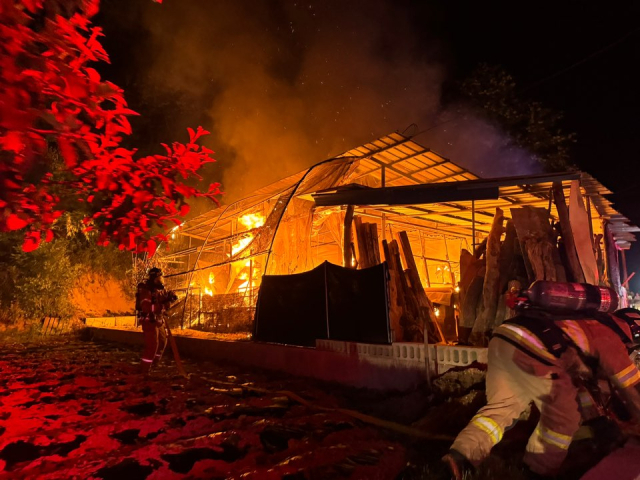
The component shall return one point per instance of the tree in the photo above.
(50, 95)
(493, 93)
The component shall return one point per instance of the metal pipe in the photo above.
(424, 260)
(473, 224)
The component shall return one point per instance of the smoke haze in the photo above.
(285, 84)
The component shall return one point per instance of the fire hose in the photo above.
(174, 350)
(378, 422)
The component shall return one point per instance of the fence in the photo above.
(54, 326)
(441, 357)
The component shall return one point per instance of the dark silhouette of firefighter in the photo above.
(152, 300)
(564, 338)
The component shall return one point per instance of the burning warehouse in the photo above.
(390, 242)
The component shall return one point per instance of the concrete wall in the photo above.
(348, 363)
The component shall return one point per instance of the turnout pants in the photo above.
(155, 341)
(514, 380)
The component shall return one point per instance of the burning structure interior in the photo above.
(454, 244)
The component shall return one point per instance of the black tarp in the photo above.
(327, 302)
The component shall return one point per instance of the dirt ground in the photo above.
(74, 409)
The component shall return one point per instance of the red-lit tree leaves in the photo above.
(49, 95)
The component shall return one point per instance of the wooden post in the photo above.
(424, 260)
(361, 244)
(383, 226)
(427, 363)
(347, 253)
(446, 251)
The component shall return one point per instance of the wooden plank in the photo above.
(472, 271)
(46, 325)
(426, 311)
(567, 235)
(368, 235)
(395, 305)
(363, 261)
(490, 291)
(411, 320)
(579, 222)
(375, 247)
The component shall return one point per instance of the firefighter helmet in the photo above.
(155, 272)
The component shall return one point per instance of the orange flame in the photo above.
(241, 244)
(250, 221)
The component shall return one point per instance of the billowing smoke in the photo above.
(473, 143)
(285, 84)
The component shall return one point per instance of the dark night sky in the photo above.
(283, 84)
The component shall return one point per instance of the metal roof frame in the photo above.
(414, 181)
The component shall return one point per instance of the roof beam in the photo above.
(405, 195)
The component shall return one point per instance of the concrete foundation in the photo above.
(382, 367)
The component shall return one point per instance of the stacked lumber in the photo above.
(472, 272)
(568, 247)
(410, 310)
(534, 248)
(486, 276)
(366, 243)
(426, 310)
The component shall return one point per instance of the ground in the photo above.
(71, 409)
(75, 409)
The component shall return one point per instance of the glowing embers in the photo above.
(250, 221)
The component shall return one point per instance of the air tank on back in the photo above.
(578, 297)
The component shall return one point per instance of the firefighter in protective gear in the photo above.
(151, 301)
(546, 360)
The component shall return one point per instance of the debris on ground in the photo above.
(76, 410)
(72, 409)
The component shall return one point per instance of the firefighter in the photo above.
(547, 359)
(151, 301)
